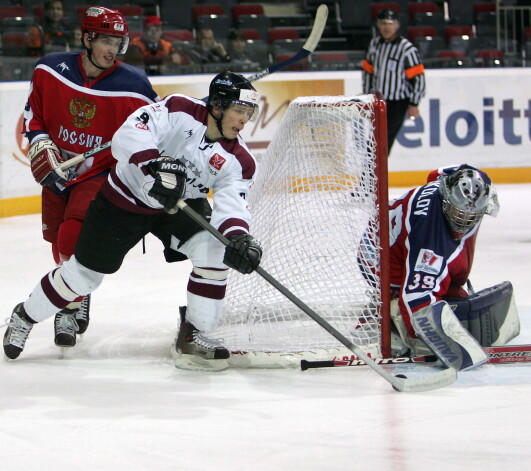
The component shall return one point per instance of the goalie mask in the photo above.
(102, 20)
(228, 89)
(466, 196)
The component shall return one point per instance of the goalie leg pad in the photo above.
(403, 341)
(439, 328)
(490, 315)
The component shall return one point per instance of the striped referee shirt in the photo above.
(395, 69)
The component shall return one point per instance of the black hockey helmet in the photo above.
(388, 14)
(228, 88)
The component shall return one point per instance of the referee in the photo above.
(392, 66)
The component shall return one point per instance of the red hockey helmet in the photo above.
(102, 20)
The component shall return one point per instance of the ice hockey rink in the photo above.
(116, 401)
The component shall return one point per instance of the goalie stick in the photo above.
(319, 24)
(496, 355)
(437, 380)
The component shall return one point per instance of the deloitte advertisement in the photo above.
(481, 116)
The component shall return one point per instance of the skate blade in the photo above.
(187, 362)
(64, 351)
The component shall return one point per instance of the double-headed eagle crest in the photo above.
(82, 110)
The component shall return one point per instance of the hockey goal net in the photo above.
(319, 204)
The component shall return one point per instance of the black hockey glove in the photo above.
(170, 182)
(243, 253)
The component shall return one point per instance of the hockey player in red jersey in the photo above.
(178, 148)
(77, 101)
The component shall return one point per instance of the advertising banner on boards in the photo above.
(478, 116)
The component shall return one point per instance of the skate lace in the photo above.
(82, 313)
(206, 342)
(19, 332)
(66, 323)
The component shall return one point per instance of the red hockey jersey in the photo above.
(79, 115)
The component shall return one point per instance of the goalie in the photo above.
(433, 231)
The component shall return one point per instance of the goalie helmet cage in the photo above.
(320, 211)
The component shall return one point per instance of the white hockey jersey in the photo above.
(175, 127)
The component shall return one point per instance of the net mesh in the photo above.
(314, 207)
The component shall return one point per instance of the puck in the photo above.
(399, 376)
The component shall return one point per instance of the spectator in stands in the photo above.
(236, 45)
(152, 52)
(207, 49)
(76, 42)
(392, 66)
(53, 34)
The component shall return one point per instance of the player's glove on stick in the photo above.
(170, 182)
(45, 159)
(243, 253)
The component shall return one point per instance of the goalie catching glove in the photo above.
(45, 159)
(170, 182)
(243, 253)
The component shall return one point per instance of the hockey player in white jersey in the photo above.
(178, 148)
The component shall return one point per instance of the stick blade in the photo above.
(426, 383)
(319, 24)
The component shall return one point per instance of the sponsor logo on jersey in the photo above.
(217, 161)
(83, 111)
(142, 126)
(428, 262)
(189, 132)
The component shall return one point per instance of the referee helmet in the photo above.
(388, 14)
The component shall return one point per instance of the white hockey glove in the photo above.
(243, 253)
(170, 182)
(46, 159)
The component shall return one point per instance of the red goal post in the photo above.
(319, 205)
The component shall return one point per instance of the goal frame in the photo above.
(382, 191)
(271, 356)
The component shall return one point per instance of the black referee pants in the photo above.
(396, 112)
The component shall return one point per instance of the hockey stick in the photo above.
(309, 46)
(85, 155)
(354, 361)
(509, 354)
(496, 355)
(437, 380)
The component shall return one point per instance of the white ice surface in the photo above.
(116, 401)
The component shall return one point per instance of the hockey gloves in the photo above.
(243, 253)
(170, 182)
(46, 159)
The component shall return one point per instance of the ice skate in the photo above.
(66, 328)
(192, 350)
(82, 315)
(18, 329)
